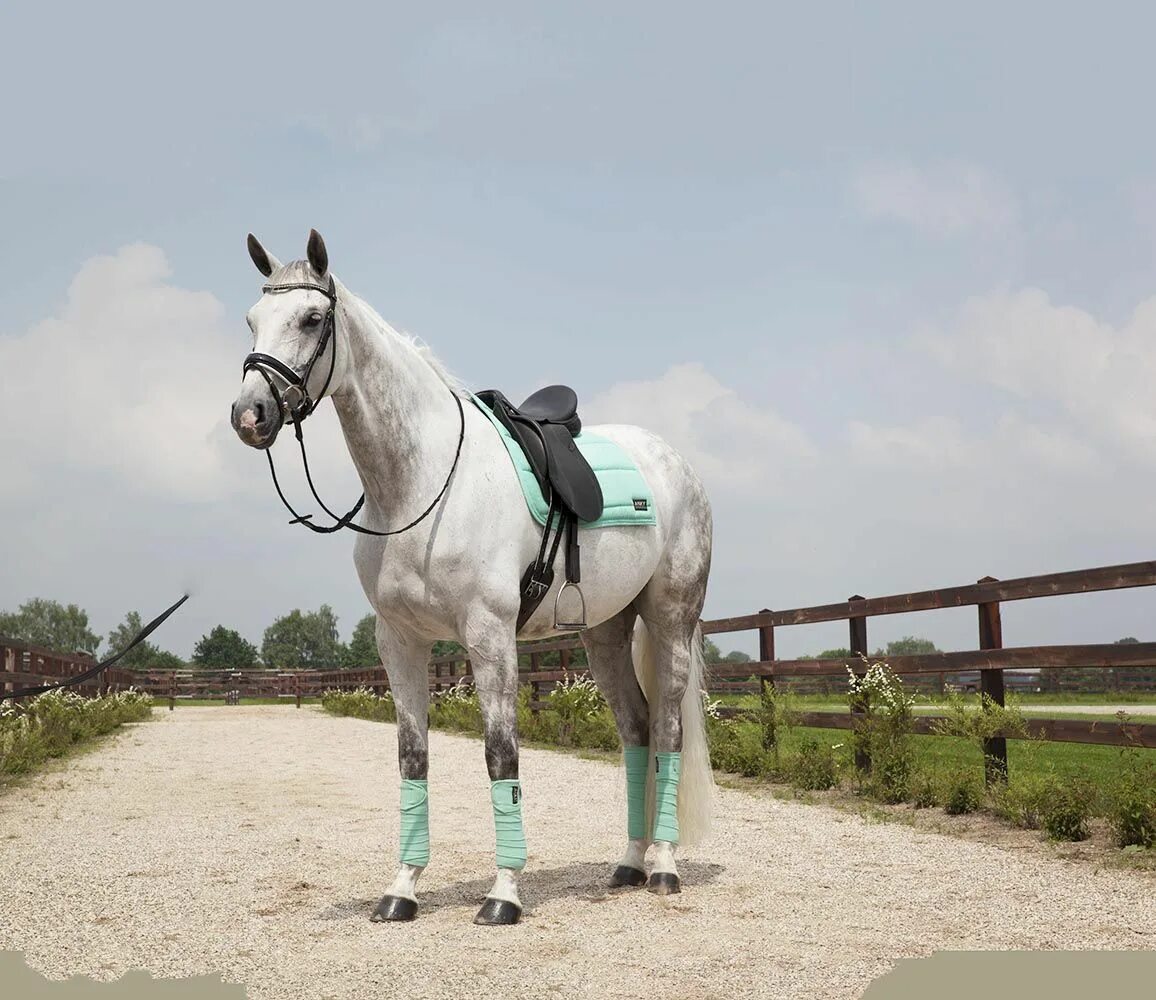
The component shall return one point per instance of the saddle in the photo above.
(545, 426)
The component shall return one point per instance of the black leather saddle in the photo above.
(545, 426)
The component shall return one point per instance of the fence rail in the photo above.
(991, 668)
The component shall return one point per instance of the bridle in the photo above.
(295, 402)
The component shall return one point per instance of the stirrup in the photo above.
(570, 626)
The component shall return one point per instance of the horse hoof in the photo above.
(625, 875)
(394, 908)
(498, 912)
(664, 884)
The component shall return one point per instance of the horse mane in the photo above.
(301, 271)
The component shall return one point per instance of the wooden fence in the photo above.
(985, 665)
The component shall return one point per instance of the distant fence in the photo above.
(991, 668)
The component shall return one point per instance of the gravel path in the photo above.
(254, 842)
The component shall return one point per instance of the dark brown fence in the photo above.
(991, 668)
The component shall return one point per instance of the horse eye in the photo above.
(313, 319)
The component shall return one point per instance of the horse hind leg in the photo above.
(671, 668)
(608, 651)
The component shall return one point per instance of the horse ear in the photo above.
(266, 262)
(318, 255)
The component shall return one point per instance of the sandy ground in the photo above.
(254, 842)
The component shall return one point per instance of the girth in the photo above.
(545, 426)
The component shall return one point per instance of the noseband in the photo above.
(296, 403)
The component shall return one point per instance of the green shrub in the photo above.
(923, 790)
(884, 732)
(457, 709)
(962, 793)
(360, 704)
(813, 767)
(1024, 799)
(1067, 811)
(52, 723)
(1132, 803)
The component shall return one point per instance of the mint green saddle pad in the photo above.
(626, 499)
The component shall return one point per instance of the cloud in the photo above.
(947, 200)
(1097, 377)
(132, 375)
(726, 438)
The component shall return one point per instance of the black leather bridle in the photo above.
(296, 403)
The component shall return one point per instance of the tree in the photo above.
(224, 649)
(445, 647)
(829, 654)
(1128, 640)
(306, 641)
(144, 655)
(710, 651)
(910, 645)
(736, 656)
(362, 648)
(41, 622)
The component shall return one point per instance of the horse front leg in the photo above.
(494, 659)
(406, 663)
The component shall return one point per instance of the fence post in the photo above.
(172, 690)
(858, 645)
(297, 686)
(535, 688)
(766, 651)
(991, 685)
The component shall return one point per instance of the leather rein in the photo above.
(296, 403)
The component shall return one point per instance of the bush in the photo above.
(814, 766)
(360, 704)
(884, 733)
(962, 793)
(923, 790)
(52, 723)
(1024, 799)
(1068, 808)
(1132, 803)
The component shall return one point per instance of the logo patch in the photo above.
(516, 793)
(642, 504)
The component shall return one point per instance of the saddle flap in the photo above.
(570, 474)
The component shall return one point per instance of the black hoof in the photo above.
(498, 912)
(625, 875)
(394, 908)
(664, 884)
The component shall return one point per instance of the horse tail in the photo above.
(696, 785)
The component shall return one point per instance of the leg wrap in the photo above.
(668, 766)
(506, 796)
(414, 822)
(636, 760)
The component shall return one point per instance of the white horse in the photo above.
(412, 430)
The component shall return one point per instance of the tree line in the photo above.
(299, 640)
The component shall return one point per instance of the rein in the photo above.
(91, 672)
(296, 402)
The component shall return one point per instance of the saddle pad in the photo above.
(626, 497)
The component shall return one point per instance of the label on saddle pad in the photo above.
(626, 497)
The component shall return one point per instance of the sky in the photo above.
(885, 273)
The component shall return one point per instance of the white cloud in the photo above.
(1100, 378)
(946, 200)
(726, 438)
(133, 375)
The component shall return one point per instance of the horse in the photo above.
(453, 572)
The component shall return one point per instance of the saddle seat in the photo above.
(556, 404)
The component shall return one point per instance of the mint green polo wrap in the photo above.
(414, 837)
(506, 796)
(669, 767)
(637, 759)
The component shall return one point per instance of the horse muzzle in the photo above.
(257, 416)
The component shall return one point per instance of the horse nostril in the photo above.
(259, 408)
